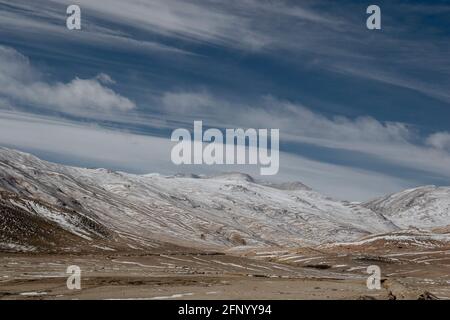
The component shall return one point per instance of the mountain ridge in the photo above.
(219, 212)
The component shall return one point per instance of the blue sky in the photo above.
(361, 112)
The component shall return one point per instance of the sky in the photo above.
(361, 113)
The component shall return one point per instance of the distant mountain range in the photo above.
(50, 207)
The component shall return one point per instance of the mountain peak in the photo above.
(238, 176)
(427, 206)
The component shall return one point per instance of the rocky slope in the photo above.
(88, 209)
(423, 207)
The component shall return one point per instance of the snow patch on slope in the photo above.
(423, 207)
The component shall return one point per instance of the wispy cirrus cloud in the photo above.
(44, 18)
(390, 142)
(246, 25)
(324, 34)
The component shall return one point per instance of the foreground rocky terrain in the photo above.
(305, 273)
(152, 236)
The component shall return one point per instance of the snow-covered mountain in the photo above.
(100, 208)
(423, 207)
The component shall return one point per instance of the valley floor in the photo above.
(273, 274)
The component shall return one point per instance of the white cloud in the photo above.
(76, 96)
(392, 142)
(440, 140)
(74, 143)
(187, 102)
(15, 66)
(22, 84)
(105, 79)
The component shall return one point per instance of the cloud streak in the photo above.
(38, 21)
(319, 33)
(392, 142)
(82, 145)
